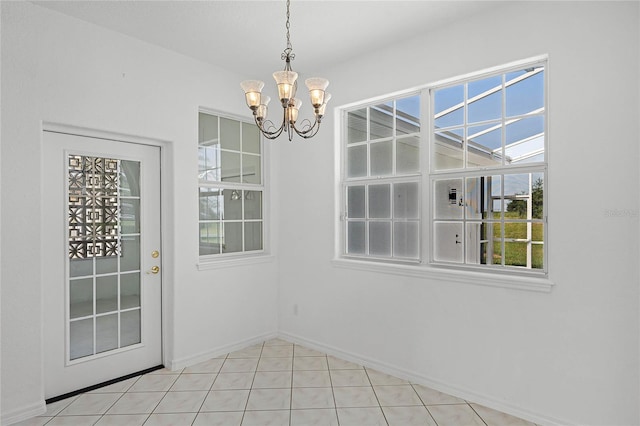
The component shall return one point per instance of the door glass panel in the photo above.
(130, 328)
(104, 241)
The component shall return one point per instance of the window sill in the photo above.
(232, 262)
(518, 282)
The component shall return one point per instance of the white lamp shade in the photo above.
(286, 81)
(294, 107)
(317, 86)
(252, 89)
(323, 107)
(261, 112)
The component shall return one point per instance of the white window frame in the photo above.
(240, 258)
(506, 277)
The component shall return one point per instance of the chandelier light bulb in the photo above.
(261, 113)
(252, 89)
(294, 108)
(317, 87)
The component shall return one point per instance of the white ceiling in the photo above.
(249, 36)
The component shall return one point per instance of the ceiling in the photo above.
(248, 36)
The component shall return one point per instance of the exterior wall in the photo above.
(62, 70)
(566, 357)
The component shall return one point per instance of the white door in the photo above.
(101, 258)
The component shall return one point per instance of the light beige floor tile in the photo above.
(181, 402)
(277, 342)
(122, 420)
(175, 419)
(166, 371)
(73, 420)
(90, 404)
(397, 396)
(209, 366)
(219, 419)
(341, 364)
(154, 383)
(455, 415)
(282, 351)
(118, 387)
(311, 379)
(433, 397)
(240, 365)
(408, 416)
(371, 416)
(310, 363)
(349, 378)
(379, 378)
(136, 403)
(266, 418)
(193, 382)
(269, 399)
(304, 351)
(34, 421)
(55, 408)
(351, 397)
(312, 398)
(250, 352)
(233, 381)
(314, 417)
(272, 380)
(496, 418)
(227, 400)
(275, 364)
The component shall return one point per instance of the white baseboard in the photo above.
(466, 394)
(23, 413)
(180, 363)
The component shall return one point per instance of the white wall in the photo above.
(570, 356)
(59, 69)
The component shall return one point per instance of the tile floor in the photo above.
(272, 383)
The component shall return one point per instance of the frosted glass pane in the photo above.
(380, 201)
(106, 333)
(130, 216)
(230, 167)
(106, 294)
(357, 126)
(232, 204)
(81, 338)
(130, 290)
(129, 328)
(208, 129)
(407, 155)
(232, 241)
(251, 170)
(380, 238)
(229, 134)
(448, 242)
(406, 200)
(81, 297)
(447, 153)
(250, 138)
(129, 178)
(80, 267)
(253, 236)
(106, 265)
(448, 199)
(356, 237)
(381, 121)
(252, 204)
(355, 201)
(449, 107)
(210, 238)
(381, 158)
(406, 239)
(357, 161)
(130, 259)
(210, 203)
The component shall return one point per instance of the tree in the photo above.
(520, 206)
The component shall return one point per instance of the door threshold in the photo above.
(101, 385)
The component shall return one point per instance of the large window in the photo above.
(231, 189)
(479, 165)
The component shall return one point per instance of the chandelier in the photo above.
(287, 86)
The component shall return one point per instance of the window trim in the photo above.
(243, 258)
(504, 277)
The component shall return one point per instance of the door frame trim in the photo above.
(166, 221)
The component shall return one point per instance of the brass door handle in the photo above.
(154, 270)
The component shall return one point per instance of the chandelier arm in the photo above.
(269, 134)
(310, 132)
